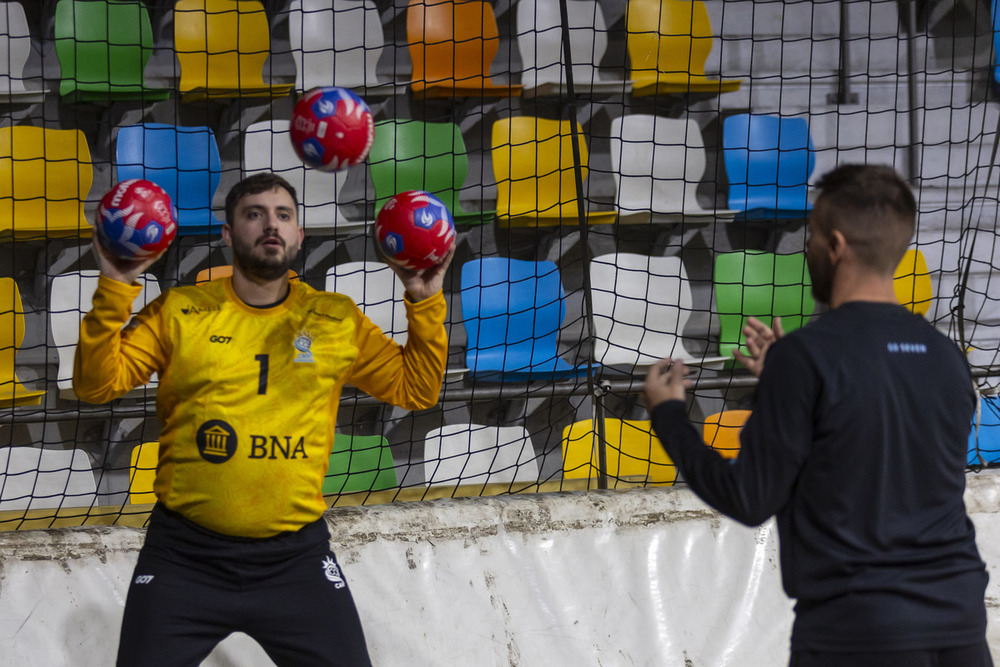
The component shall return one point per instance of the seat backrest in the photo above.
(268, 148)
(335, 42)
(539, 40)
(376, 290)
(102, 44)
(632, 452)
(451, 43)
(459, 454)
(641, 305)
(995, 14)
(984, 438)
(511, 303)
(11, 333)
(763, 285)
(768, 161)
(359, 463)
(671, 37)
(184, 161)
(45, 176)
(70, 298)
(34, 478)
(657, 163)
(533, 166)
(15, 47)
(721, 431)
(414, 155)
(142, 473)
(221, 44)
(912, 282)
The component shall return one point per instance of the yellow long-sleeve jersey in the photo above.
(248, 397)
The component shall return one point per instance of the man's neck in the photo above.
(863, 287)
(259, 294)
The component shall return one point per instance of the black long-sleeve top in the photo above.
(857, 443)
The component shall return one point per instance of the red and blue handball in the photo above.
(415, 230)
(332, 129)
(136, 219)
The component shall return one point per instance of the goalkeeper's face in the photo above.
(265, 235)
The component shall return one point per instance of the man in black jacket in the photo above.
(857, 445)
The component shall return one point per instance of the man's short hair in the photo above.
(873, 207)
(252, 185)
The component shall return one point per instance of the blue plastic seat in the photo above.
(768, 162)
(995, 14)
(184, 161)
(984, 439)
(512, 310)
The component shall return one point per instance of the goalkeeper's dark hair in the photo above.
(252, 185)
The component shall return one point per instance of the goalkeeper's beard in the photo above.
(260, 263)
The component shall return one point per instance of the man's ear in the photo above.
(838, 244)
(227, 234)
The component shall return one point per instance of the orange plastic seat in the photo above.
(12, 392)
(912, 283)
(722, 430)
(452, 46)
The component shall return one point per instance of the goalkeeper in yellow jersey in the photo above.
(251, 370)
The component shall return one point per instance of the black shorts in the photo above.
(977, 655)
(193, 587)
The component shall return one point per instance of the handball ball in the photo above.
(415, 230)
(332, 129)
(136, 219)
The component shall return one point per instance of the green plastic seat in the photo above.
(762, 285)
(359, 463)
(414, 155)
(103, 47)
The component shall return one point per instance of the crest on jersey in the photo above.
(303, 348)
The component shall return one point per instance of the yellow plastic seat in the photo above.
(222, 46)
(12, 392)
(912, 283)
(722, 431)
(142, 473)
(668, 43)
(533, 167)
(452, 46)
(45, 176)
(633, 453)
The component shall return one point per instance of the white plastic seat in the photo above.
(459, 454)
(33, 478)
(539, 39)
(71, 298)
(269, 149)
(376, 290)
(337, 43)
(15, 48)
(657, 164)
(641, 305)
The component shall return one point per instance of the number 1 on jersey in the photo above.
(262, 378)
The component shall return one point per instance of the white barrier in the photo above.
(644, 577)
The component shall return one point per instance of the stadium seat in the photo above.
(763, 285)
(414, 155)
(633, 453)
(12, 392)
(460, 454)
(269, 149)
(533, 167)
(912, 283)
(539, 39)
(984, 439)
(222, 46)
(337, 43)
(768, 162)
(668, 42)
(359, 463)
(641, 305)
(452, 46)
(657, 164)
(721, 431)
(184, 161)
(376, 290)
(103, 47)
(69, 300)
(45, 176)
(512, 310)
(15, 49)
(33, 478)
(995, 16)
(142, 473)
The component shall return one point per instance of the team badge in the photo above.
(332, 573)
(303, 345)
